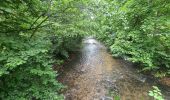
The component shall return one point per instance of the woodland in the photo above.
(36, 35)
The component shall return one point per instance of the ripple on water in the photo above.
(94, 73)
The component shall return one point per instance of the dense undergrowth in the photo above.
(35, 35)
(138, 31)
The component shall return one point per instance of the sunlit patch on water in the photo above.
(90, 41)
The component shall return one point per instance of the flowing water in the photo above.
(95, 75)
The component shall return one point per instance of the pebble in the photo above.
(106, 98)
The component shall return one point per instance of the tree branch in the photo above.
(37, 27)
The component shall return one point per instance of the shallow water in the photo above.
(95, 75)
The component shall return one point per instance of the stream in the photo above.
(95, 75)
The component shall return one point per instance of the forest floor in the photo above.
(95, 75)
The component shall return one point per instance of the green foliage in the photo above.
(156, 93)
(114, 95)
(35, 35)
(26, 70)
(141, 31)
